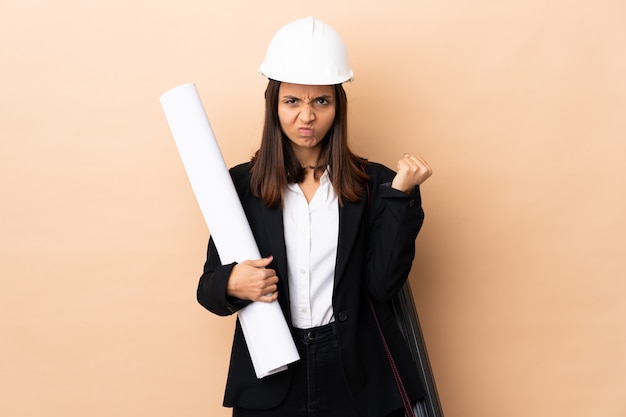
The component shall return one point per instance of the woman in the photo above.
(335, 231)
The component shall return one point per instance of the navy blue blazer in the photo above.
(375, 252)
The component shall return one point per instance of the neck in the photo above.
(315, 168)
(308, 159)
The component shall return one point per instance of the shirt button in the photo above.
(342, 316)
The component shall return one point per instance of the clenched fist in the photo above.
(412, 170)
(251, 280)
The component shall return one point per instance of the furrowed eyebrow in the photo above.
(325, 97)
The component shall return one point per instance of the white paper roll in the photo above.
(266, 332)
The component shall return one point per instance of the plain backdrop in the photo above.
(519, 106)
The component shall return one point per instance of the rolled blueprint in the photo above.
(264, 326)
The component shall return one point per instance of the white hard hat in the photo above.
(307, 51)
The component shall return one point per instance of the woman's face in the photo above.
(306, 113)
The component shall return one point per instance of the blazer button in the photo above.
(342, 316)
(411, 203)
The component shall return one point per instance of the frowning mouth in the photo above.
(305, 131)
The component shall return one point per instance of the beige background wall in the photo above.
(520, 107)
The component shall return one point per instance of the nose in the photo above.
(307, 114)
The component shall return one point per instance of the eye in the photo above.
(290, 100)
(321, 100)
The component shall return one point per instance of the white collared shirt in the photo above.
(311, 235)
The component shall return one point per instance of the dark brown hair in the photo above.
(274, 165)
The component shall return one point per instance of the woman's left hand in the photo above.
(412, 170)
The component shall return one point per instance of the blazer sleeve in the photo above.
(211, 291)
(395, 220)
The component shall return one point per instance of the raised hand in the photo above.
(412, 170)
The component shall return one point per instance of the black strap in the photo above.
(406, 402)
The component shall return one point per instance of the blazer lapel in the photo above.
(349, 220)
(274, 230)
